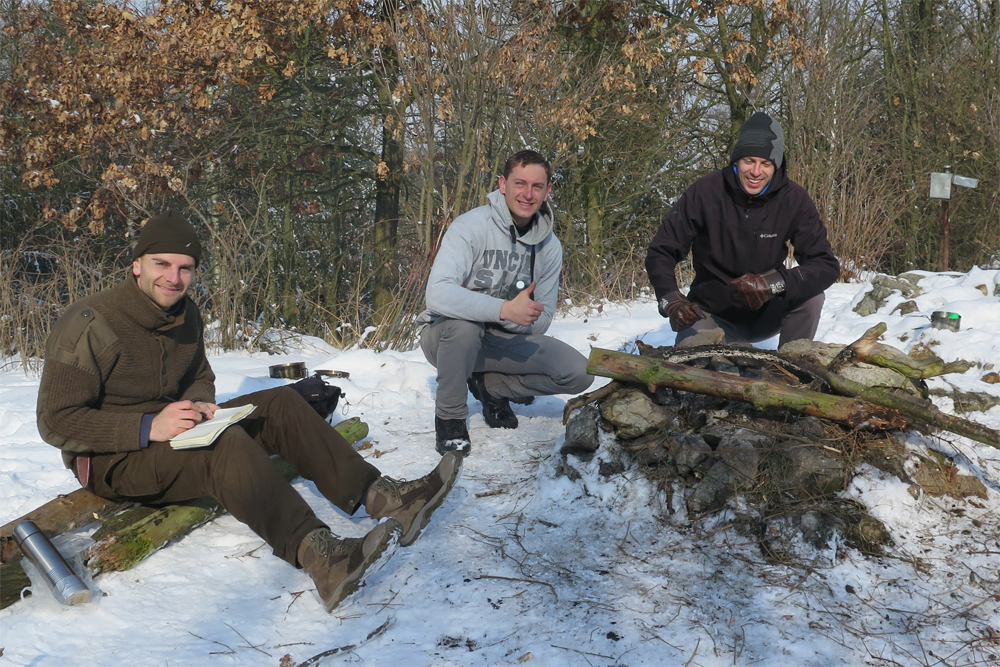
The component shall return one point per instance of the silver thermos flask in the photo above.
(68, 588)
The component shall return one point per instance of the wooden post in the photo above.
(945, 242)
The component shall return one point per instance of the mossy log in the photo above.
(128, 537)
(853, 412)
(68, 512)
(133, 535)
(915, 410)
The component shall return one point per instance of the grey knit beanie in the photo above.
(761, 136)
(168, 232)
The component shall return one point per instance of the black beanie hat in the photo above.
(168, 232)
(761, 136)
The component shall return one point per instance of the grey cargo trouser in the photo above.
(792, 320)
(516, 365)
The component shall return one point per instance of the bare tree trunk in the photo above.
(388, 183)
(386, 262)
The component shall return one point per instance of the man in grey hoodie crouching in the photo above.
(490, 298)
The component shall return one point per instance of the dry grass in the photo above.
(45, 277)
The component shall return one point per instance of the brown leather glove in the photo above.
(682, 313)
(753, 291)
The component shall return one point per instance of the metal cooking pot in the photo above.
(295, 370)
(944, 320)
(332, 374)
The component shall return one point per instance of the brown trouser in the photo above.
(237, 470)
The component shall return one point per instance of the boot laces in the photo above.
(394, 488)
(325, 543)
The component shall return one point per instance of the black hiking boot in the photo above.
(497, 411)
(452, 436)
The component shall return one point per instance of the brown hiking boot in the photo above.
(412, 503)
(339, 565)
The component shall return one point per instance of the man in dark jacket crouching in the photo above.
(125, 371)
(736, 222)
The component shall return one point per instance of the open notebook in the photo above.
(205, 433)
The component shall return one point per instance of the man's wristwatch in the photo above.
(774, 282)
(752, 291)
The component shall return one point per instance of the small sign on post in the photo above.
(965, 181)
(941, 189)
(940, 186)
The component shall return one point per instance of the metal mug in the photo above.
(68, 588)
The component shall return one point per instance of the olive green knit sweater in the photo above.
(112, 358)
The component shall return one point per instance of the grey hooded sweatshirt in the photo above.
(481, 257)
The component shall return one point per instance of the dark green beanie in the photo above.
(168, 232)
(761, 136)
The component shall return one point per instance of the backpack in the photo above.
(321, 396)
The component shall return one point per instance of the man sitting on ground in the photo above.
(125, 371)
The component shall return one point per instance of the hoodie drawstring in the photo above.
(513, 242)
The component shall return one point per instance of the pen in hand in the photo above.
(178, 417)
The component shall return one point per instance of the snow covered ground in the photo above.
(523, 566)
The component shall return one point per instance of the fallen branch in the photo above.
(377, 632)
(585, 399)
(868, 349)
(876, 409)
(552, 588)
(576, 650)
(919, 411)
